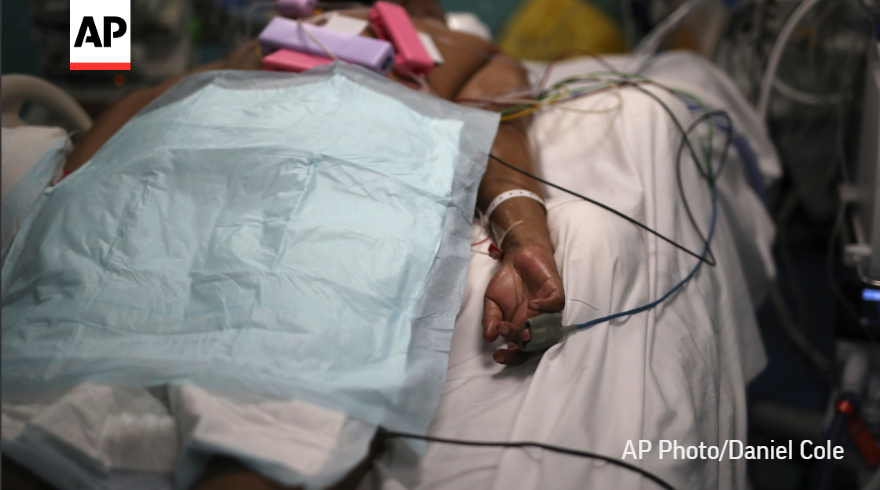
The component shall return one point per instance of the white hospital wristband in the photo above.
(510, 195)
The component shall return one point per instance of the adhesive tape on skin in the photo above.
(510, 195)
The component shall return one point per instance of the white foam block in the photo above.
(431, 48)
(345, 24)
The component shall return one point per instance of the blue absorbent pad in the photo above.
(292, 236)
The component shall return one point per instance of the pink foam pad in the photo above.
(287, 60)
(391, 23)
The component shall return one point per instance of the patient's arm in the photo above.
(527, 282)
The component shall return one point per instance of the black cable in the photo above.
(563, 450)
(721, 164)
(603, 206)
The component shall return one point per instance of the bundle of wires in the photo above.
(709, 174)
(560, 93)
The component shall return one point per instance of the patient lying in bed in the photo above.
(528, 281)
(673, 373)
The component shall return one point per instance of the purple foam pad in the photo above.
(296, 8)
(371, 53)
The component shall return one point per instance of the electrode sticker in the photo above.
(100, 35)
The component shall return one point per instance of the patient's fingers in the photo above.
(511, 356)
(554, 302)
(508, 330)
(550, 296)
(492, 317)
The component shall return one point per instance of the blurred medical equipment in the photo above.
(864, 252)
(853, 418)
(810, 69)
(767, 81)
(18, 89)
(802, 70)
(854, 408)
(650, 44)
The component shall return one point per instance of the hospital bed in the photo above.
(677, 372)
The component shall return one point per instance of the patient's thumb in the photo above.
(554, 302)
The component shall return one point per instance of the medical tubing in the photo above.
(724, 154)
(706, 243)
(675, 288)
(649, 45)
(844, 408)
(520, 444)
(745, 150)
(776, 54)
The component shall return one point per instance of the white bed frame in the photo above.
(18, 89)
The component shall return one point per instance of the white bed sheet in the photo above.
(677, 372)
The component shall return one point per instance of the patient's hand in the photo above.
(526, 284)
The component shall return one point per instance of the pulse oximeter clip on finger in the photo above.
(545, 331)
